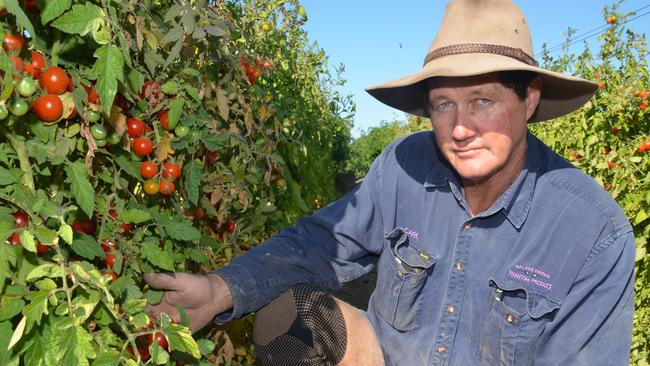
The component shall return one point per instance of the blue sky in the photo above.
(380, 40)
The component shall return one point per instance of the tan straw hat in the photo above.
(478, 37)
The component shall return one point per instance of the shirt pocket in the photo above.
(402, 273)
(514, 319)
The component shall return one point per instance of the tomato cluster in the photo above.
(143, 342)
(643, 147)
(253, 72)
(170, 173)
(21, 221)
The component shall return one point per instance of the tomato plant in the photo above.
(160, 80)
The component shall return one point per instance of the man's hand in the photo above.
(202, 296)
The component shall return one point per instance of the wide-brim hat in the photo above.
(479, 37)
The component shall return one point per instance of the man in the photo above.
(493, 250)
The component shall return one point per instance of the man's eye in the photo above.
(444, 106)
(483, 101)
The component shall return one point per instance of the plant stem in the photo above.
(25, 166)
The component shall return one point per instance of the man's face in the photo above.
(480, 126)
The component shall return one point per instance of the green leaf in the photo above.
(10, 306)
(175, 111)
(80, 20)
(70, 345)
(173, 12)
(157, 256)
(37, 307)
(87, 247)
(191, 72)
(107, 358)
(193, 180)
(54, 8)
(173, 35)
(85, 302)
(65, 232)
(206, 346)
(45, 235)
(5, 336)
(135, 216)
(193, 92)
(21, 18)
(182, 231)
(110, 69)
(170, 87)
(18, 332)
(180, 339)
(27, 241)
(130, 167)
(80, 186)
(641, 216)
(44, 270)
(8, 177)
(134, 306)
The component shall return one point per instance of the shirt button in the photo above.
(441, 349)
(468, 225)
(450, 309)
(458, 266)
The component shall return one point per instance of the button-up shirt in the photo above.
(542, 277)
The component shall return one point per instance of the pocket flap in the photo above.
(537, 304)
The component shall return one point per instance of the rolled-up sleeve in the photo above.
(594, 323)
(334, 245)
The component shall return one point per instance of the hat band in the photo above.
(516, 53)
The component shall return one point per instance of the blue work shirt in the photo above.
(542, 277)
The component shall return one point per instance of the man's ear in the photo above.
(534, 96)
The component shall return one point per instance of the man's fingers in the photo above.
(163, 281)
(155, 311)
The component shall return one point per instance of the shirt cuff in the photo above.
(242, 286)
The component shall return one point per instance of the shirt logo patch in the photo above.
(411, 233)
(532, 275)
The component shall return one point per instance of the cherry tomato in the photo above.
(54, 80)
(21, 219)
(142, 146)
(38, 60)
(161, 340)
(100, 143)
(48, 108)
(110, 260)
(18, 107)
(13, 42)
(109, 246)
(135, 127)
(148, 169)
(164, 119)
(210, 157)
(14, 239)
(99, 132)
(26, 87)
(87, 226)
(113, 138)
(31, 70)
(93, 116)
(171, 171)
(4, 113)
(151, 187)
(166, 187)
(181, 130)
(42, 248)
(230, 226)
(198, 213)
(114, 276)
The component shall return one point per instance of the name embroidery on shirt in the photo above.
(411, 233)
(532, 275)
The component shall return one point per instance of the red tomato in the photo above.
(135, 127)
(171, 171)
(14, 239)
(13, 42)
(84, 226)
(21, 219)
(54, 80)
(42, 248)
(110, 260)
(148, 169)
(38, 60)
(109, 246)
(161, 340)
(164, 118)
(142, 146)
(210, 157)
(48, 108)
(113, 275)
(93, 97)
(230, 226)
(198, 213)
(166, 187)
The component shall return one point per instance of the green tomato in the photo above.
(100, 143)
(4, 113)
(26, 86)
(98, 131)
(113, 138)
(195, 135)
(94, 116)
(181, 130)
(18, 107)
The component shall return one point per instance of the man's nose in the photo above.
(463, 125)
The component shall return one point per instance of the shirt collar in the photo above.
(515, 202)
